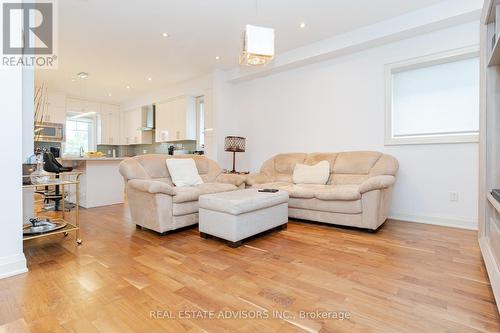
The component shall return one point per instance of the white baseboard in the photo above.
(13, 265)
(454, 222)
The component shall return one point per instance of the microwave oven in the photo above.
(49, 132)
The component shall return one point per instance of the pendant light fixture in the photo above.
(257, 44)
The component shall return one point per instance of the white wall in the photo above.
(12, 259)
(338, 105)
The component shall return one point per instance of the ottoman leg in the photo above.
(234, 244)
(284, 226)
(204, 235)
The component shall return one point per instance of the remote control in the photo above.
(269, 190)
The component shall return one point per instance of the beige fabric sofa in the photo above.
(358, 192)
(156, 204)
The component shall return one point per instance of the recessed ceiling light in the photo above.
(73, 80)
(109, 94)
(217, 58)
(150, 79)
(165, 34)
(128, 87)
(83, 75)
(302, 25)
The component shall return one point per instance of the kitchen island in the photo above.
(100, 183)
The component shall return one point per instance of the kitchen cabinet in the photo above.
(108, 125)
(76, 105)
(176, 119)
(55, 108)
(132, 124)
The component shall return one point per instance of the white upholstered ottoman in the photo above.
(237, 215)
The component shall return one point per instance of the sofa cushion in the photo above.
(356, 162)
(285, 163)
(336, 206)
(347, 179)
(283, 178)
(274, 185)
(315, 158)
(153, 164)
(311, 174)
(386, 165)
(183, 172)
(339, 192)
(184, 208)
(322, 192)
(304, 191)
(192, 193)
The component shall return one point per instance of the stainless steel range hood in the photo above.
(149, 117)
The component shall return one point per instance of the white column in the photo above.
(12, 260)
(28, 134)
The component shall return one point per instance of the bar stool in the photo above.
(52, 165)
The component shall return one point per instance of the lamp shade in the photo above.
(258, 46)
(234, 144)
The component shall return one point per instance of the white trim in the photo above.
(488, 15)
(198, 101)
(420, 62)
(492, 268)
(436, 139)
(13, 265)
(454, 222)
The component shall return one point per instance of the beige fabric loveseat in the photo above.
(156, 204)
(358, 192)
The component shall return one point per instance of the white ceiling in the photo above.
(120, 42)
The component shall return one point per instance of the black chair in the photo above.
(50, 164)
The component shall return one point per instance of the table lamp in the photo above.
(235, 144)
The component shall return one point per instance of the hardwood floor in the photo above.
(407, 277)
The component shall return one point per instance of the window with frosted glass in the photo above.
(435, 100)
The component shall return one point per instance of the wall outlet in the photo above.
(453, 196)
(144, 151)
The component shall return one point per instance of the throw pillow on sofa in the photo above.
(311, 174)
(183, 172)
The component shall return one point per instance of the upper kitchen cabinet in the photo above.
(176, 119)
(133, 123)
(55, 108)
(76, 105)
(108, 125)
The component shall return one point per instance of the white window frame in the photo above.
(421, 62)
(199, 128)
(92, 135)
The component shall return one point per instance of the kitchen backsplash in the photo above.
(131, 150)
(155, 148)
(47, 145)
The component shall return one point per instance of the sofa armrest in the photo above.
(257, 178)
(231, 178)
(152, 186)
(377, 183)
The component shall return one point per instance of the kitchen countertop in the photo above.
(67, 158)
